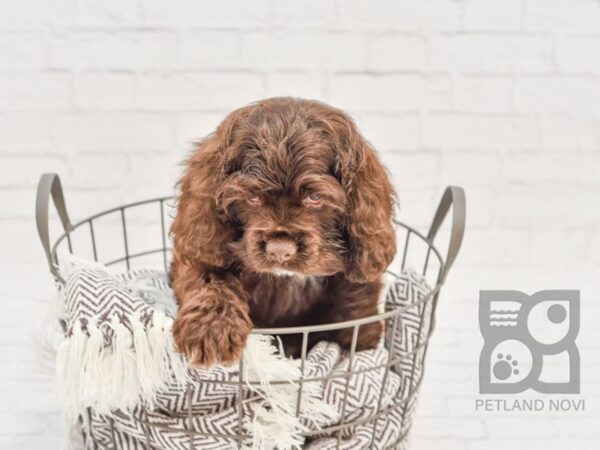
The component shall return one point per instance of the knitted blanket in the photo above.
(120, 375)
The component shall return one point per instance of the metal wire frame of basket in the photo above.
(122, 219)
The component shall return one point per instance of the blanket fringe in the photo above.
(274, 424)
(130, 371)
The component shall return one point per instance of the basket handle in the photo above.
(454, 197)
(49, 184)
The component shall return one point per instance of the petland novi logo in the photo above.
(527, 337)
(529, 343)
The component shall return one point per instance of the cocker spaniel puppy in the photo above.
(284, 219)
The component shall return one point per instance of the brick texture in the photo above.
(499, 96)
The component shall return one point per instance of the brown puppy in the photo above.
(283, 219)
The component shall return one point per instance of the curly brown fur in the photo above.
(283, 219)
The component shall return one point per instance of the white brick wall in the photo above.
(499, 96)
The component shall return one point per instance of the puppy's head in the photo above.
(287, 186)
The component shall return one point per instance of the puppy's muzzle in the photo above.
(280, 250)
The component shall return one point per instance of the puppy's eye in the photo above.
(254, 200)
(313, 199)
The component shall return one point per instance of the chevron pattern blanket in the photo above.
(129, 388)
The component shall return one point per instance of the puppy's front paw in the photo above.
(212, 328)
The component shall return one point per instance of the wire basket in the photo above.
(136, 235)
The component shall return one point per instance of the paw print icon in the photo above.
(529, 342)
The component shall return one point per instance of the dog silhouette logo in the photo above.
(529, 342)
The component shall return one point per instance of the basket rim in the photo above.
(304, 330)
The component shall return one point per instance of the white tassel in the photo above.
(159, 345)
(127, 384)
(168, 361)
(90, 380)
(68, 365)
(148, 369)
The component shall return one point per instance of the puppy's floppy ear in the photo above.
(371, 237)
(200, 230)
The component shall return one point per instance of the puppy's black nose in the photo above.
(280, 250)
